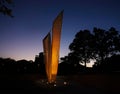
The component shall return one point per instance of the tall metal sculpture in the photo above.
(51, 49)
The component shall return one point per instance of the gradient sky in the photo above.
(21, 36)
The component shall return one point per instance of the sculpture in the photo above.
(51, 49)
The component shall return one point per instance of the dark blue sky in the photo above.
(21, 36)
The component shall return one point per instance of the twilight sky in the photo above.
(21, 36)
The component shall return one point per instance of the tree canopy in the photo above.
(5, 7)
(98, 44)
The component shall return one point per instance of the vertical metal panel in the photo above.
(47, 54)
(56, 34)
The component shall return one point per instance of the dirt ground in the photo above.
(78, 84)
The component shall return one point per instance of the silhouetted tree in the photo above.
(99, 45)
(82, 47)
(112, 64)
(68, 65)
(23, 66)
(106, 43)
(5, 8)
(7, 65)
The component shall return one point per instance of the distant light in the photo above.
(54, 85)
(65, 83)
(47, 83)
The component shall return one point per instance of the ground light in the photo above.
(60, 82)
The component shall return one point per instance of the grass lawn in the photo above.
(79, 84)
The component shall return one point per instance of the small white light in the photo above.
(54, 85)
(65, 83)
(47, 83)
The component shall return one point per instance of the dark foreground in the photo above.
(82, 84)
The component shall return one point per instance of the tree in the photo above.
(99, 45)
(5, 8)
(82, 47)
(69, 65)
(106, 43)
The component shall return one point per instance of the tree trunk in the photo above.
(85, 64)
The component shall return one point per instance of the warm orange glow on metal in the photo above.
(47, 54)
(51, 50)
(56, 34)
